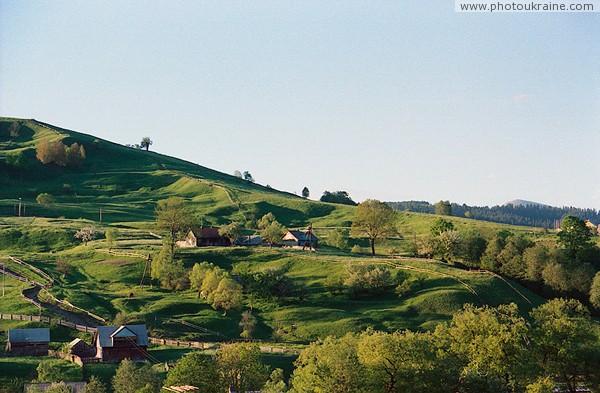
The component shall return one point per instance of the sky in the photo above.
(391, 100)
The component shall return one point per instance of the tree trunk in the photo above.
(373, 246)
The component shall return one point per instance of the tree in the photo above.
(146, 143)
(14, 129)
(370, 280)
(574, 235)
(474, 247)
(44, 199)
(111, 235)
(248, 323)
(198, 273)
(228, 295)
(595, 291)
(305, 192)
(489, 347)
(331, 365)
(567, 342)
(270, 230)
(174, 216)
(237, 173)
(440, 225)
(169, 271)
(240, 367)
(130, 378)
(276, 383)
(338, 238)
(56, 370)
(337, 197)
(375, 220)
(248, 177)
(195, 369)
(232, 231)
(450, 244)
(62, 266)
(18, 161)
(443, 208)
(75, 155)
(402, 361)
(86, 234)
(42, 152)
(95, 385)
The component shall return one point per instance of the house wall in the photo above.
(27, 349)
(118, 354)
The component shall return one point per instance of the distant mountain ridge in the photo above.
(522, 202)
(516, 212)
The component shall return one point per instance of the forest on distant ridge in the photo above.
(540, 216)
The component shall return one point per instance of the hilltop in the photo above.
(126, 183)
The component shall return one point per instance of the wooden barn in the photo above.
(115, 343)
(208, 236)
(299, 239)
(81, 348)
(28, 342)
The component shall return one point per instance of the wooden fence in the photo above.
(56, 321)
(152, 340)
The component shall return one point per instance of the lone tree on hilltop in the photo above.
(374, 219)
(305, 192)
(146, 142)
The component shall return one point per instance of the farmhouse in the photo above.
(300, 239)
(208, 236)
(28, 342)
(115, 343)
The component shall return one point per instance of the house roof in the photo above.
(76, 386)
(253, 240)
(302, 236)
(39, 335)
(105, 334)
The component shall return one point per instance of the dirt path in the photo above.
(31, 294)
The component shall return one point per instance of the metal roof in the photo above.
(39, 335)
(106, 333)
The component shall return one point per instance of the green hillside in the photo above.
(126, 183)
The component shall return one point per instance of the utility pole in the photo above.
(100, 214)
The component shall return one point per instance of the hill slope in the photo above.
(126, 183)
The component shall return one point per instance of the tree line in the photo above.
(540, 216)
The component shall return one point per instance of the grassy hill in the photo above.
(126, 183)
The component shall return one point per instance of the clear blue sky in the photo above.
(394, 100)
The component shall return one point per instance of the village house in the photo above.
(28, 342)
(299, 239)
(115, 343)
(207, 236)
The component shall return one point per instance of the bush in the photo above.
(44, 199)
(356, 249)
